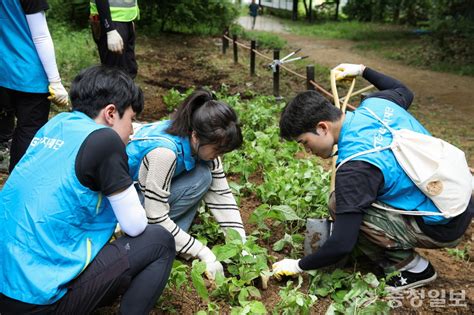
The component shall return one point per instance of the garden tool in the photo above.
(278, 62)
(316, 234)
(319, 230)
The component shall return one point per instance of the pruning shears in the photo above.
(278, 62)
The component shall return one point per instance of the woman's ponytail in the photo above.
(213, 121)
(182, 118)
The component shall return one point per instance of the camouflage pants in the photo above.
(390, 239)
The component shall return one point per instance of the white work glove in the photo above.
(58, 93)
(114, 42)
(345, 70)
(213, 266)
(286, 267)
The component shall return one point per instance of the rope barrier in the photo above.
(262, 55)
(293, 72)
(317, 86)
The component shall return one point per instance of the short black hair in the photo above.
(304, 112)
(98, 86)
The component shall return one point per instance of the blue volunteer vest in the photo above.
(52, 226)
(152, 136)
(361, 131)
(20, 66)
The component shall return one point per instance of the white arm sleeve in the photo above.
(44, 44)
(129, 211)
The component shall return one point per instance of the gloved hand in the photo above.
(114, 42)
(345, 70)
(58, 93)
(213, 266)
(286, 267)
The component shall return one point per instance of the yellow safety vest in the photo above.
(120, 10)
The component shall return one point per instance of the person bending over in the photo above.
(387, 238)
(176, 163)
(61, 203)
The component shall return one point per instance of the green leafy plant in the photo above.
(293, 242)
(293, 301)
(352, 293)
(460, 253)
(206, 229)
(174, 98)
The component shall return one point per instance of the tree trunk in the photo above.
(306, 9)
(294, 15)
(336, 14)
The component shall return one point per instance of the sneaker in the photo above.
(409, 280)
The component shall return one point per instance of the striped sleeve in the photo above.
(156, 172)
(220, 200)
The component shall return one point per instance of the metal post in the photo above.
(236, 57)
(276, 75)
(253, 45)
(309, 77)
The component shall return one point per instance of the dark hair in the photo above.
(98, 86)
(304, 112)
(213, 121)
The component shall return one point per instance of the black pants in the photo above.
(135, 268)
(126, 60)
(7, 117)
(31, 111)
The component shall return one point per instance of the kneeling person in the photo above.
(387, 238)
(177, 163)
(60, 206)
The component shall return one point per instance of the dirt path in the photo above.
(438, 88)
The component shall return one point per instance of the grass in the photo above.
(264, 39)
(394, 42)
(75, 49)
(351, 30)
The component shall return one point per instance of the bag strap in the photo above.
(392, 131)
(410, 212)
(377, 149)
(362, 153)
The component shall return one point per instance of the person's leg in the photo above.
(148, 281)
(187, 190)
(135, 267)
(7, 125)
(129, 50)
(394, 236)
(7, 116)
(31, 111)
(126, 60)
(390, 239)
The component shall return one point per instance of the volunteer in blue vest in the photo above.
(113, 31)
(385, 237)
(28, 73)
(176, 163)
(60, 206)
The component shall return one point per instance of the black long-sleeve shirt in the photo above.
(103, 7)
(357, 186)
